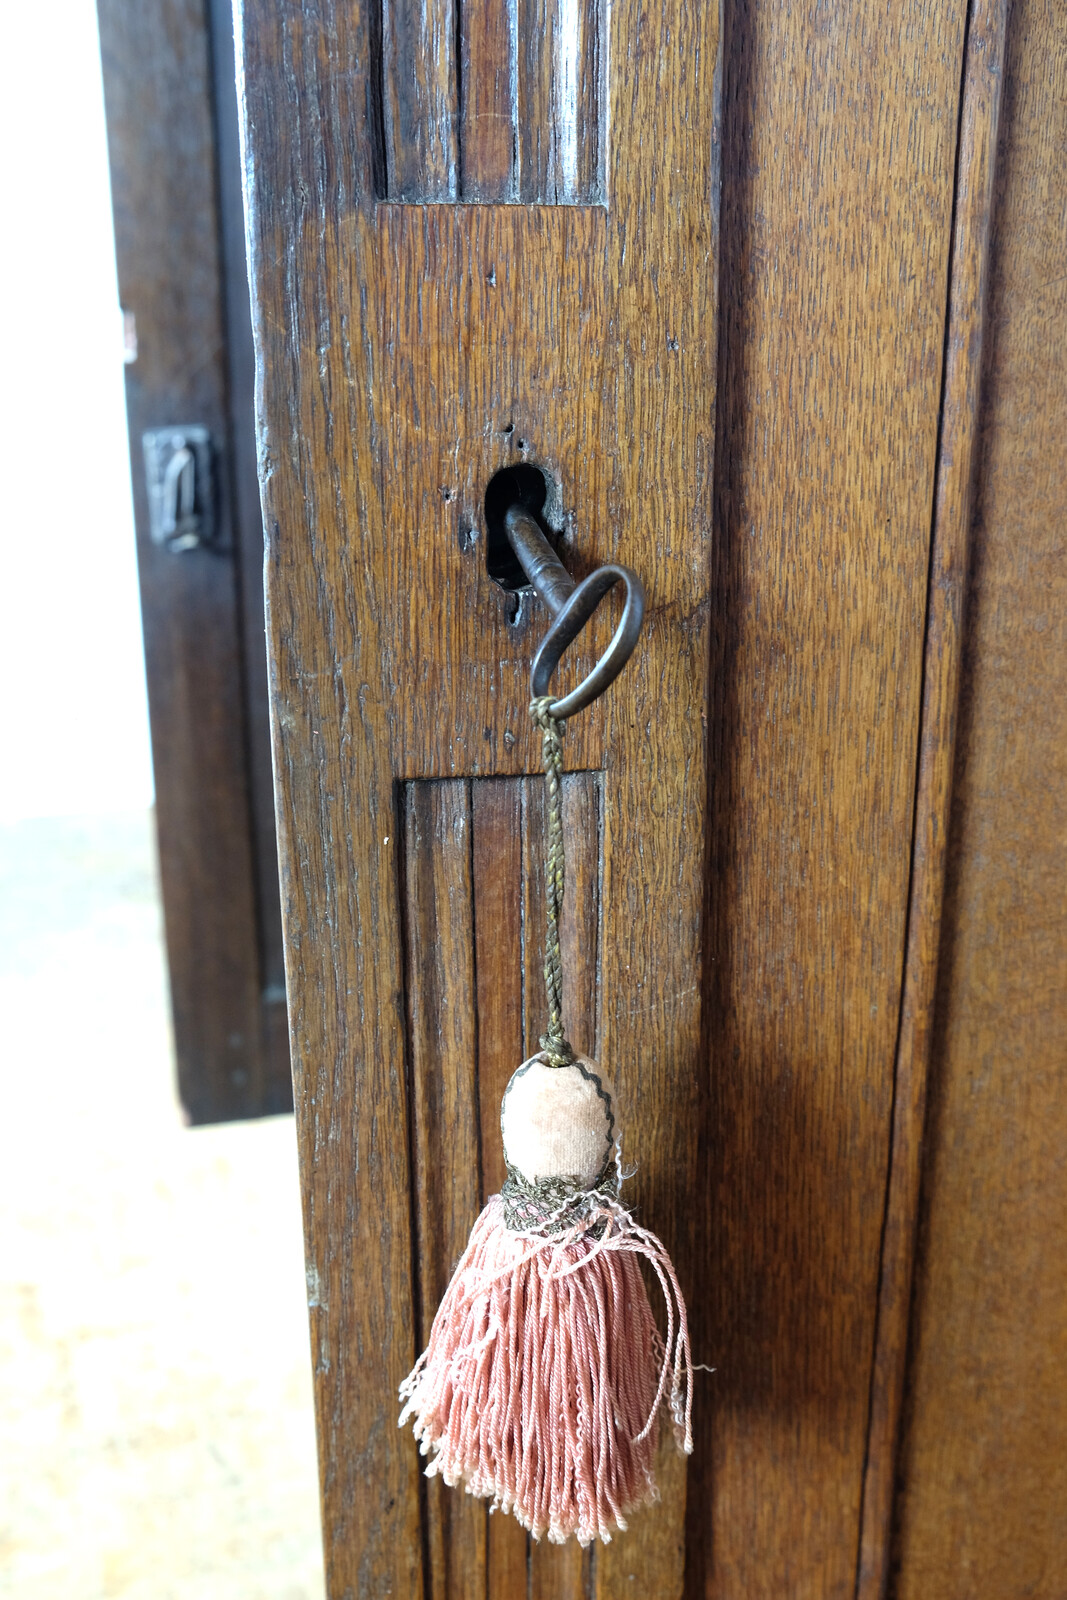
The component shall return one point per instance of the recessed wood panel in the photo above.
(472, 894)
(438, 915)
(502, 101)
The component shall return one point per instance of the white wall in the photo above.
(75, 726)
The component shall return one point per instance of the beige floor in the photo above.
(156, 1437)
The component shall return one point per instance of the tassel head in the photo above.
(558, 1124)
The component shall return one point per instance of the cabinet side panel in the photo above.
(839, 144)
(984, 1472)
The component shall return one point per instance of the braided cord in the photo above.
(554, 1044)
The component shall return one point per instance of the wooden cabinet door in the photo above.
(176, 190)
(702, 272)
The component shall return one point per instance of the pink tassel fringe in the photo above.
(541, 1385)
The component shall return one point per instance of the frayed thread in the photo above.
(541, 1385)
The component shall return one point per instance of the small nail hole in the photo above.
(518, 607)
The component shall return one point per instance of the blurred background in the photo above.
(156, 1432)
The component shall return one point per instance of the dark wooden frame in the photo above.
(175, 177)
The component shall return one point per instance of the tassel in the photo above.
(541, 1386)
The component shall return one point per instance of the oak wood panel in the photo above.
(975, 168)
(537, 123)
(221, 917)
(500, 102)
(405, 354)
(473, 898)
(488, 134)
(499, 929)
(560, 135)
(583, 98)
(580, 922)
(445, 1112)
(838, 149)
(656, 454)
(310, 146)
(983, 1471)
(420, 97)
(533, 912)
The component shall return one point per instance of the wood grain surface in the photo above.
(206, 672)
(958, 443)
(838, 149)
(488, 133)
(473, 914)
(500, 929)
(981, 1509)
(502, 102)
(560, 121)
(406, 353)
(757, 960)
(439, 917)
(420, 96)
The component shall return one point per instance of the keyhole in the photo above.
(524, 485)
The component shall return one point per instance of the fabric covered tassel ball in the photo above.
(541, 1386)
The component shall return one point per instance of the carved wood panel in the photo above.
(472, 896)
(502, 101)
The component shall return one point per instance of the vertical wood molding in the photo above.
(488, 112)
(420, 80)
(312, 159)
(562, 1572)
(499, 926)
(960, 427)
(248, 519)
